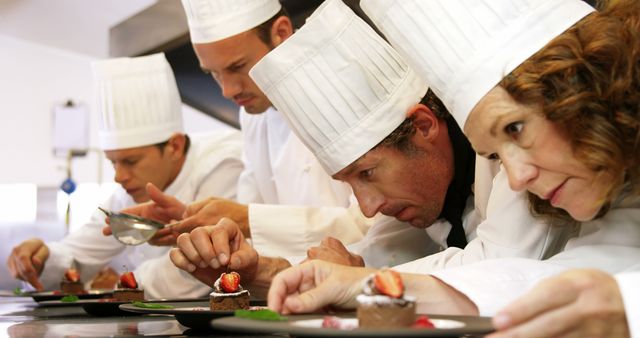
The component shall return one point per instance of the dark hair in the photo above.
(264, 29)
(187, 144)
(587, 81)
(400, 138)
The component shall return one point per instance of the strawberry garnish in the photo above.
(72, 275)
(230, 282)
(389, 282)
(423, 322)
(128, 280)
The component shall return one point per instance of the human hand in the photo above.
(27, 260)
(577, 303)
(106, 278)
(315, 284)
(206, 251)
(332, 250)
(210, 211)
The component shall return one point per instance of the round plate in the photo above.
(311, 326)
(196, 315)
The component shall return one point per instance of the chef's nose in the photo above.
(121, 175)
(231, 86)
(370, 200)
(520, 172)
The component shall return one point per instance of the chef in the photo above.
(141, 133)
(514, 40)
(351, 110)
(286, 201)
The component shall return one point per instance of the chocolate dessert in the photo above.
(228, 294)
(71, 283)
(127, 289)
(383, 304)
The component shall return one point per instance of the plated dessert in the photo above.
(228, 294)
(71, 283)
(127, 289)
(383, 303)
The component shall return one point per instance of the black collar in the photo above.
(460, 188)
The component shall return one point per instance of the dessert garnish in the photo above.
(69, 299)
(72, 275)
(128, 280)
(389, 282)
(262, 314)
(423, 322)
(151, 305)
(333, 322)
(230, 282)
(18, 291)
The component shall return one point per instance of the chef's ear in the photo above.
(425, 121)
(281, 29)
(177, 144)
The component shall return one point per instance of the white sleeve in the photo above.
(90, 249)
(161, 279)
(285, 230)
(629, 283)
(508, 231)
(390, 242)
(492, 284)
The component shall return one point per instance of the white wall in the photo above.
(34, 78)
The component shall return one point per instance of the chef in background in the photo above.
(141, 133)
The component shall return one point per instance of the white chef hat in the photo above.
(464, 48)
(214, 20)
(138, 101)
(342, 88)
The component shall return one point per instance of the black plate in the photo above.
(446, 326)
(57, 295)
(195, 315)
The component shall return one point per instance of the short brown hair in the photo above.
(400, 138)
(264, 29)
(587, 81)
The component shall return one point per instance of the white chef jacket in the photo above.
(497, 223)
(212, 167)
(611, 244)
(629, 283)
(293, 202)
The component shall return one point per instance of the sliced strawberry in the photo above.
(389, 282)
(230, 282)
(128, 280)
(423, 322)
(72, 275)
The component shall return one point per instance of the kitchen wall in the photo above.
(34, 78)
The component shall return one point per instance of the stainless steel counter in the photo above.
(22, 317)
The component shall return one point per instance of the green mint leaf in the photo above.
(18, 291)
(69, 299)
(263, 314)
(151, 305)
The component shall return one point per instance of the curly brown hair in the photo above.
(587, 80)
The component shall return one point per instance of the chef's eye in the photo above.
(514, 129)
(366, 174)
(236, 68)
(494, 157)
